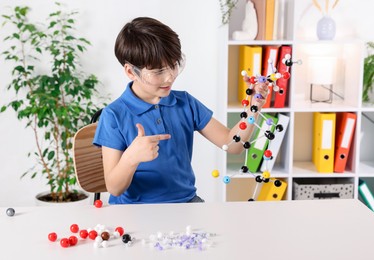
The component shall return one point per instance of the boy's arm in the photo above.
(220, 135)
(120, 166)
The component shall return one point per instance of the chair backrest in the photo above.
(88, 161)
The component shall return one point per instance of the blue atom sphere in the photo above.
(10, 212)
(226, 179)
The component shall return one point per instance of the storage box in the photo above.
(315, 191)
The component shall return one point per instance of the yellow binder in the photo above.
(250, 60)
(273, 190)
(324, 141)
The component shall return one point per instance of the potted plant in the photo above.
(226, 7)
(368, 73)
(52, 95)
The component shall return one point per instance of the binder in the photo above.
(275, 144)
(269, 20)
(366, 194)
(281, 95)
(250, 58)
(269, 52)
(259, 144)
(270, 192)
(269, 97)
(345, 128)
(324, 141)
(260, 6)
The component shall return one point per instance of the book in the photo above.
(269, 19)
(366, 194)
(260, 6)
(250, 60)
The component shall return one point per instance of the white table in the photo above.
(303, 230)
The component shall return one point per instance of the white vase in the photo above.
(326, 28)
(39, 202)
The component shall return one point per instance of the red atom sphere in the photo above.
(245, 102)
(52, 237)
(92, 234)
(64, 242)
(98, 203)
(74, 228)
(73, 240)
(83, 233)
(243, 125)
(252, 80)
(286, 75)
(120, 230)
(268, 153)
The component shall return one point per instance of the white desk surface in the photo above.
(302, 230)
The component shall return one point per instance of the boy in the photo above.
(146, 134)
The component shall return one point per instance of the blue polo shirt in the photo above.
(170, 177)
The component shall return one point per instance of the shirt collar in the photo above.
(138, 106)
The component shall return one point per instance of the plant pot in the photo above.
(84, 199)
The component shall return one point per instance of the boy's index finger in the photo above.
(160, 137)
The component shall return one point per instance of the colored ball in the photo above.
(268, 153)
(105, 235)
(251, 120)
(269, 121)
(10, 212)
(98, 203)
(64, 242)
(252, 79)
(92, 234)
(215, 173)
(245, 102)
(73, 240)
(74, 228)
(120, 230)
(286, 75)
(226, 179)
(83, 233)
(52, 237)
(262, 79)
(244, 73)
(225, 147)
(126, 238)
(243, 125)
(266, 174)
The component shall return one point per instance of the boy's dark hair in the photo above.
(147, 43)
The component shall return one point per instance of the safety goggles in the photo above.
(157, 77)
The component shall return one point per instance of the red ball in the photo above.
(252, 80)
(73, 240)
(120, 230)
(243, 125)
(64, 242)
(245, 102)
(286, 75)
(92, 234)
(98, 203)
(83, 233)
(74, 228)
(52, 237)
(268, 153)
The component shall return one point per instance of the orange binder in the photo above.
(269, 20)
(268, 98)
(345, 128)
(250, 58)
(324, 141)
(280, 99)
(260, 6)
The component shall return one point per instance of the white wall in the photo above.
(197, 23)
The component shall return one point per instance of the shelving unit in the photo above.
(294, 162)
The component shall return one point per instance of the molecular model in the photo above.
(248, 117)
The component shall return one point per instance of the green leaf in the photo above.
(51, 154)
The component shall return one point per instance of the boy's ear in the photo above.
(129, 71)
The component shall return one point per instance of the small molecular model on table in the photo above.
(248, 117)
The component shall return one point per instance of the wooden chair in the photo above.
(88, 161)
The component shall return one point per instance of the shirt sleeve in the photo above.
(201, 114)
(108, 132)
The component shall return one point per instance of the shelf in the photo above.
(294, 162)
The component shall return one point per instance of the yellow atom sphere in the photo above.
(266, 174)
(215, 173)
